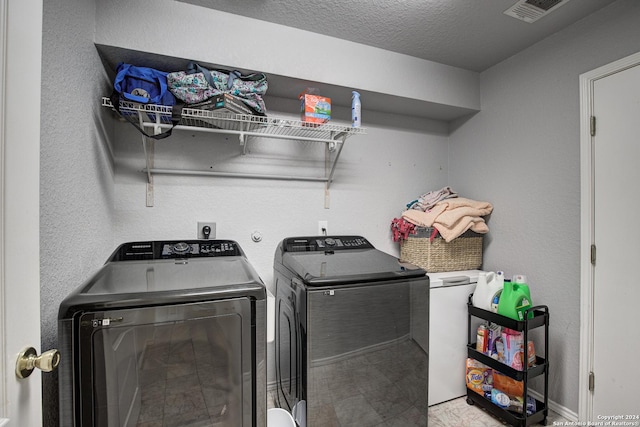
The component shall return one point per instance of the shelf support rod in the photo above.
(187, 172)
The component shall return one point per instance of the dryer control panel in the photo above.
(325, 243)
(134, 251)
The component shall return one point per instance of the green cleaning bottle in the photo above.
(515, 298)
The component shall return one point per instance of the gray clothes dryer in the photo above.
(166, 333)
(352, 326)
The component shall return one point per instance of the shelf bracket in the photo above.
(330, 166)
(148, 146)
(243, 137)
(243, 142)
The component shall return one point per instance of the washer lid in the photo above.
(139, 282)
(174, 275)
(346, 260)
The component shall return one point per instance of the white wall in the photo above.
(76, 176)
(377, 175)
(522, 152)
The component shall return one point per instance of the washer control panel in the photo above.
(325, 243)
(176, 249)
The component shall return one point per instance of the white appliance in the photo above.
(448, 333)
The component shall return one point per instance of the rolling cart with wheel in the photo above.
(541, 367)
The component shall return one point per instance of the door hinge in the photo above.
(593, 126)
(592, 381)
(593, 254)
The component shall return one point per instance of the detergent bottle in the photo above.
(496, 297)
(486, 289)
(515, 298)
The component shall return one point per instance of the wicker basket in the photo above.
(462, 253)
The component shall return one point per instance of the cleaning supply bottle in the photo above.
(496, 297)
(486, 289)
(356, 107)
(515, 298)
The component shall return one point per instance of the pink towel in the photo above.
(452, 217)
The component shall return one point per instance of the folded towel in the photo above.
(428, 200)
(452, 217)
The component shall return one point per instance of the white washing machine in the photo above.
(449, 295)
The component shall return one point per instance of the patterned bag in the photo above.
(198, 84)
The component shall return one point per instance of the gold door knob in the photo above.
(28, 360)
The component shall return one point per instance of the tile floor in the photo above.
(188, 378)
(377, 387)
(460, 414)
(456, 413)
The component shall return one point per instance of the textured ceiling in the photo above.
(470, 34)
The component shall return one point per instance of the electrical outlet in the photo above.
(323, 228)
(201, 231)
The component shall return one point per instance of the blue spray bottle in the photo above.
(356, 119)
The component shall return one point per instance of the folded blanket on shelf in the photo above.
(452, 217)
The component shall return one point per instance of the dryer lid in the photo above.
(340, 260)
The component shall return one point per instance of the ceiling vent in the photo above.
(532, 10)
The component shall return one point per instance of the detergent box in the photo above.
(314, 108)
(513, 349)
(479, 378)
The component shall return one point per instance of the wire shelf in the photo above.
(245, 124)
(159, 117)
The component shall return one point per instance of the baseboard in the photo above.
(563, 411)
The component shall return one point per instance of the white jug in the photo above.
(278, 417)
(489, 284)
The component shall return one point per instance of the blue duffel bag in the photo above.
(142, 84)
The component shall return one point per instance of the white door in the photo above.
(20, 64)
(616, 196)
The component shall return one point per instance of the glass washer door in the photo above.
(177, 365)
